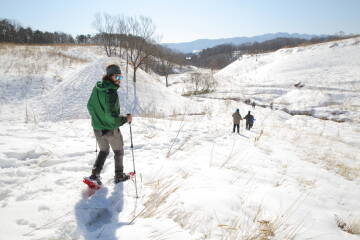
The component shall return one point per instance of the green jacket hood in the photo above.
(105, 85)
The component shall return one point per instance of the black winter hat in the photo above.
(112, 70)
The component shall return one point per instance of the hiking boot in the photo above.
(122, 177)
(96, 178)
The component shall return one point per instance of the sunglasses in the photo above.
(119, 77)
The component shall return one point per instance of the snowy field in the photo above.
(329, 74)
(290, 177)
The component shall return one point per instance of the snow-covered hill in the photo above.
(327, 76)
(290, 177)
(200, 44)
(55, 83)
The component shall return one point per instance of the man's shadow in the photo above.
(97, 213)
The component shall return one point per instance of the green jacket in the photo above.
(104, 107)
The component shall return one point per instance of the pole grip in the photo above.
(128, 114)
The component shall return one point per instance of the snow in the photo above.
(330, 74)
(59, 90)
(290, 177)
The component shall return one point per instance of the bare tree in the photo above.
(140, 46)
(166, 59)
(202, 82)
(105, 25)
(141, 31)
(195, 80)
(121, 33)
(167, 68)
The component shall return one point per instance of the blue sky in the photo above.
(187, 20)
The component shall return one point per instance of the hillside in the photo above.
(200, 44)
(327, 75)
(292, 177)
(54, 83)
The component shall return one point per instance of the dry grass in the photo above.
(43, 57)
(231, 155)
(245, 226)
(259, 227)
(351, 225)
(65, 57)
(193, 93)
(151, 112)
(350, 173)
(150, 133)
(171, 151)
(306, 183)
(259, 136)
(329, 152)
(332, 162)
(176, 116)
(162, 190)
(208, 111)
(306, 44)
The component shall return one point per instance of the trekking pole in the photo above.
(132, 151)
(95, 148)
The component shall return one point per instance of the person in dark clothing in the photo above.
(253, 105)
(249, 121)
(236, 120)
(104, 109)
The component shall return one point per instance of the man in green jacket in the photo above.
(104, 109)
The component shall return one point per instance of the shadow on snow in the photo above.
(97, 213)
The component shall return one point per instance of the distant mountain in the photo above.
(189, 47)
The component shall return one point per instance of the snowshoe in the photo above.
(93, 182)
(123, 177)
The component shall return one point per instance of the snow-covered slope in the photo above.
(64, 77)
(290, 177)
(329, 74)
(28, 71)
(68, 99)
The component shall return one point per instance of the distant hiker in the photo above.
(253, 105)
(249, 121)
(104, 109)
(236, 119)
(271, 106)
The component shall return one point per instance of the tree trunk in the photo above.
(166, 80)
(134, 76)
(126, 75)
(106, 50)
(135, 97)
(134, 81)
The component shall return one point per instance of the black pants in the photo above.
(249, 125)
(236, 126)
